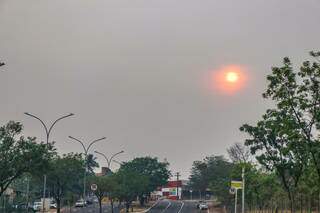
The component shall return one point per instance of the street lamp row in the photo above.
(86, 150)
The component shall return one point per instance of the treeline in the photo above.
(23, 162)
(285, 173)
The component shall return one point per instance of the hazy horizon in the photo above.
(137, 72)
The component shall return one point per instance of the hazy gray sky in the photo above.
(135, 70)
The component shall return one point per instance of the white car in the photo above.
(37, 206)
(53, 205)
(80, 203)
(203, 206)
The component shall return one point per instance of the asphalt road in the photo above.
(94, 209)
(170, 206)
(162, 206)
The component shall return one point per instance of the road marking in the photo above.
(151, 206)
(181, 207)
(167, 206)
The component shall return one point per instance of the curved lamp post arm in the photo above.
(43, 124)
(85, 150)
(118, 153)
(56, 121)
(105, 157)
(95, 141)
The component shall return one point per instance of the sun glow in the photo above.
(232, 77)
(228, 79)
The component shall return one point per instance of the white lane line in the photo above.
(145, 211)
(167, 206)
(182, 204)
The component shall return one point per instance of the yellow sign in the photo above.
(236, 184)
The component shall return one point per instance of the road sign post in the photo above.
(235, 201)
(94, 187)
(235, 185)
(243, 189)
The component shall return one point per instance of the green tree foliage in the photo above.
(91, 164)
(130, 185)
(214, 173)
(65, 175)
(156, 171)
(106, 187)
(286, 140)
(19, 155)
(296, 92)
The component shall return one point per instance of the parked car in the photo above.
(53, 205)
(22, 207)
(80, 203)
(37, 206)
(203, 206)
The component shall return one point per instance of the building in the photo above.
(172, 190)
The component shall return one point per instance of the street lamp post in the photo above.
(48, 131)
(86, 151)
(109, 160)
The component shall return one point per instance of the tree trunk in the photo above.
(100, 205)
(141, 200)
(58, 205)
(111, 205)
(127, 206)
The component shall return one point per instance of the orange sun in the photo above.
(228, 79)
(232, 77)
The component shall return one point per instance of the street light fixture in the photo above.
(109, 161)
(48, 131)
(86, 151)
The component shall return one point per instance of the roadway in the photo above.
(170, 206)
(162, 206)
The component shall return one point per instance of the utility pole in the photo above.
(243, 187)
(177, 175)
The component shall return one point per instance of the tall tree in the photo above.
(130, 185)
(156, 171)
(239, 153)
(19, 155)
(106, 186)
(92, 163)
(278, 146)
(65, 175)
(214, 173)
(297, 92)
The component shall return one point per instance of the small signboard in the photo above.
(232, 191)
(94, 187)
(236, 184)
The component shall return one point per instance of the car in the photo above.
(80, 203)
(22, 206)
(52, 205)
(37, 206)
(199, 202)
(203, 206)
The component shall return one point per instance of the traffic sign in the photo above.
(232, 191)
(94, 187)
(236, 184)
